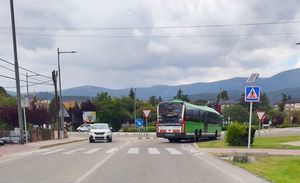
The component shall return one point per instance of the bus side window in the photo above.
(188, 115)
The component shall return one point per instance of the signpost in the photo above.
(252, 94)
(146, 114)
(261, 116)
(138, 124)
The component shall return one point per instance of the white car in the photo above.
(100, 131)
(84, 128)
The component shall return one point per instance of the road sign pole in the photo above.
(250, 120)
(147, 128)
(259, 126)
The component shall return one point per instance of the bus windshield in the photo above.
(169, 113)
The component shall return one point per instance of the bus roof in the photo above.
(204, 108)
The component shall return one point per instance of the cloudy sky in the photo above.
(136, 43)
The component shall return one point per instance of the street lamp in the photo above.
(60, 96)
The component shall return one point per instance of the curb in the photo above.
(61, 143)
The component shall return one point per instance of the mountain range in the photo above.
(287, 82)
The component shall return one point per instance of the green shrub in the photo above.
(151, 129)
(237, 134)
(130, 129)
(133, 129)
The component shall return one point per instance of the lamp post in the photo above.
(60, 95)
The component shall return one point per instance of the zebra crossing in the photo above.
(129, 151)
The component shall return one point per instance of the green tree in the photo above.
(153, 101)
(113, 111)
(284, 99)
(264, 103)
(223, 94)
(275, 116)
(181, 96)
(236, 113)
(131, 93)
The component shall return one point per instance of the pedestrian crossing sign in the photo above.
(252, 94)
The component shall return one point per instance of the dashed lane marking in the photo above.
(92, 150)
(133, 150)
(173, 151)
(73, 151)
(51, 152)
(112, 150)
(152, 150)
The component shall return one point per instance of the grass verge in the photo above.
(259, 143)
(279, 169)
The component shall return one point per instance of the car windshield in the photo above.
(99, 126)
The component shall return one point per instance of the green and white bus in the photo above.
(178, 120)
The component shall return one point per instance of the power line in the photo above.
(25, 80)
(21, 73)
(157, 27)
(162, 36)
(23, 86)
(25, 69)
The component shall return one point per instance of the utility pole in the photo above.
(62, 108)
(27, 86)
(17, 75)
(54, 78)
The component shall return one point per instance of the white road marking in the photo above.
(112, 150)
(73, 151)
(51, 152)
(98, 165)
(133, 150)
(152, 150)
(173, 151)
(29, 153)
(92, 150)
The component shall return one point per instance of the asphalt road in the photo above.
(124, 160)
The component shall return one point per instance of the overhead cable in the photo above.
(26, 69)
(156, 27)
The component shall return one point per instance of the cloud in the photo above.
(107, 59)
(157, 48)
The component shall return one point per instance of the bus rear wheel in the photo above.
(196, 137)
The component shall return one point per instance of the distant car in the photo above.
(100, 131)
(84, 128)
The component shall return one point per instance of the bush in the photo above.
(133, 129)
(129, 129)
(237, 134)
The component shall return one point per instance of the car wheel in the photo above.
(91, 140)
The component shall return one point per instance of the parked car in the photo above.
(11, 137)
(84, 128)
(100, 131)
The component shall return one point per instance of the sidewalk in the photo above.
(252, 151)
(10, 149)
